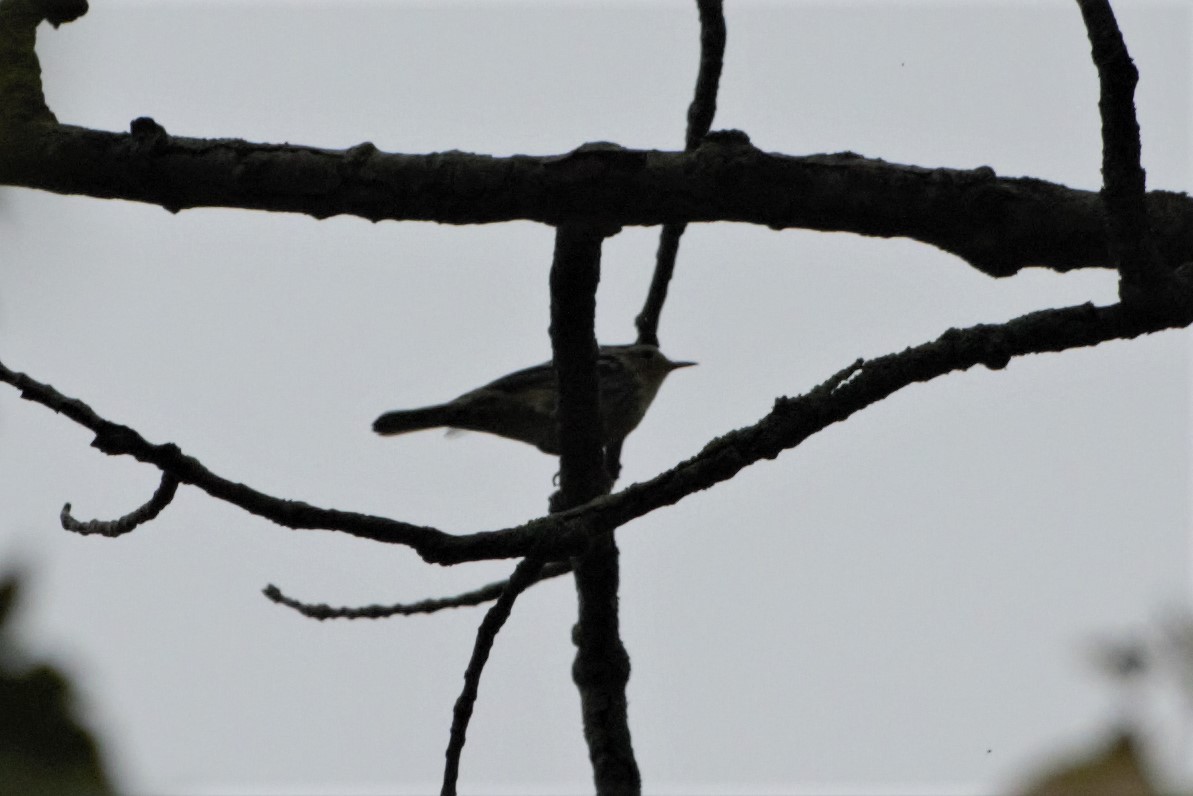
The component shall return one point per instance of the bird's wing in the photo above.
(519, 420)
(535, 386)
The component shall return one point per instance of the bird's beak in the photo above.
(676, 365)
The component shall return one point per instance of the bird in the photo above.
(522, 405)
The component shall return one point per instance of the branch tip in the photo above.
(161, 498)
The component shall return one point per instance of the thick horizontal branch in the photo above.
(998, 225)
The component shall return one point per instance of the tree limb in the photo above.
(525, 574)
(700, 116)
(997, 225)
(1123, 179)
(601, 670)
(484, 594)
(790, 422)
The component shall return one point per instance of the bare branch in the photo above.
(601, 670)
(118, 527)
(1123, 177)
(575, 272)
(700, 116)
(665, 256)
(708, 79)
(114, 439)
(792, 420)
(996, 225)
(524, 575)
(484, 594)
(860, 385)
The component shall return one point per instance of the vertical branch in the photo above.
(1123, 178)
(601, 670)
(700, 116)
(20, 73)
(708, 79)
(602, 667)
(575, 272)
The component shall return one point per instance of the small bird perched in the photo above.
(522, 405)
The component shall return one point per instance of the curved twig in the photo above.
(118, 527)
(484, 594)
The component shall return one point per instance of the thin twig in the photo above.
(484, 594)
(708, 79)
(524, 575)
(700, 116)
(121, 525)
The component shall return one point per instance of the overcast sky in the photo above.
(907, 602)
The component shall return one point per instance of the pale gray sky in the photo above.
(905, 603)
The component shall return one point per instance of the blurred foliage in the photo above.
(1114, 770)
(43, 748)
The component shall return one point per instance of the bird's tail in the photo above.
(403, 421)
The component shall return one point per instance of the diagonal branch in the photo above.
(484, 594)
(793, 420)
(524, 575)
(700, 116)
(708, 79)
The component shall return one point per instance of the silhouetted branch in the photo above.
(524, 575)
(700, 116)
(1123, 177)
(792, 420)
(575, 273)
(560, 535)
(996, 225)
(601, 669)
(708, 79)
(118, 527)
(115, 440)
(484, 594)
